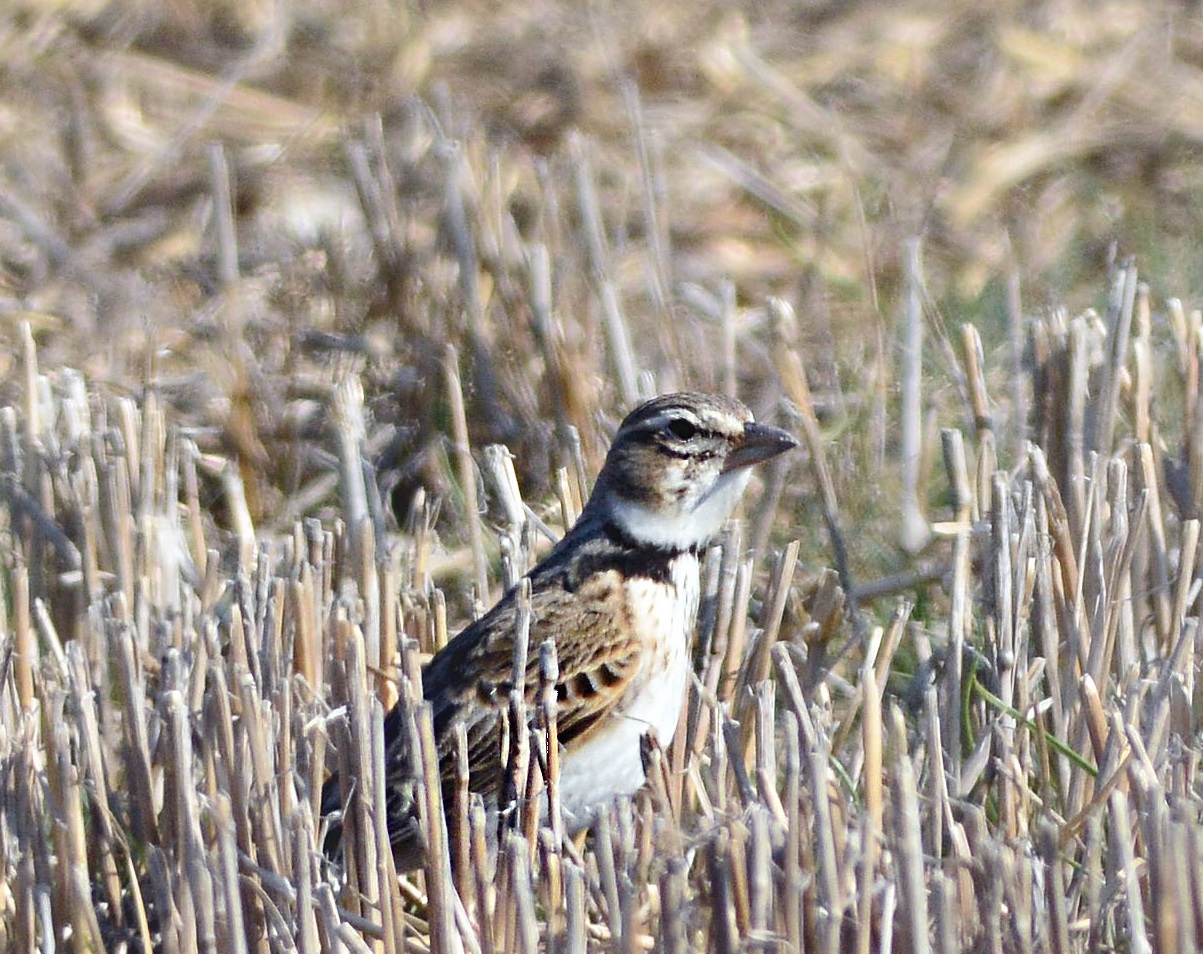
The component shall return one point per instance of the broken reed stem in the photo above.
(518, 761)
(439, 887)
(549, 677)
(466, 471)
(871, 829)
(907, 845)
(240, 514)
(1119, 327)
(387, 900)
(614, 325)
(914, 529)
(549, 337)
(222, 191)
(1016, 345)
(24, 653)
(351, 432)
(652, 194)
(516, 560)
(793, 377)
(459, 823)
(485, 911)
(756, 666)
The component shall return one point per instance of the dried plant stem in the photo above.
(793, 376)
(466, 470)
(914, 530)
(226, 237)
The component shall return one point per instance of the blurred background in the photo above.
(233, 203)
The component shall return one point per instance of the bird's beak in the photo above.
(760, 443)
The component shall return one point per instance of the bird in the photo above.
(618, 595)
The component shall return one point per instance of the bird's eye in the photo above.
(682, 429)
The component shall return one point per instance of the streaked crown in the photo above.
(678, 466)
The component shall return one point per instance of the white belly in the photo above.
(606, 764)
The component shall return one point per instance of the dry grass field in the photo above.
(316, 320)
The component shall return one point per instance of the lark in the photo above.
(618, 595)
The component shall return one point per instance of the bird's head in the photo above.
(678, 466)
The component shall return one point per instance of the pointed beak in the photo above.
(761, 442)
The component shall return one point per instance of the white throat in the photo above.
(684, 528)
